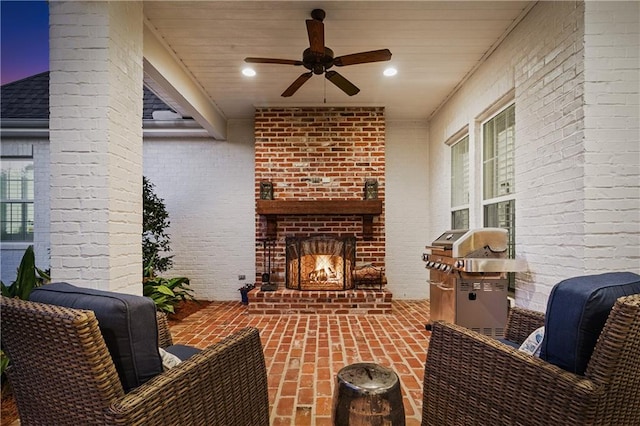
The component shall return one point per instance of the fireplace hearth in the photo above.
(320, 262)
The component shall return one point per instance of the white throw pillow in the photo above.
(169, 360)
(533, 343)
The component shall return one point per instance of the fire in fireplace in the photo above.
(320, 262)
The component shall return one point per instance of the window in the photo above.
(499, 176)
(460, 184)
(16, 199)
(498, 159)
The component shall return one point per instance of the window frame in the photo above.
(460, 208)
(27, 205)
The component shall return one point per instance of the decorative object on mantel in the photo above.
(267, 245)
(266, 191)
(370, 189)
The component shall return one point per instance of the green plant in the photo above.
(166, 293)
(29, 277)
(155, 221)
(4, 363)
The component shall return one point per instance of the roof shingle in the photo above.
(29, 98)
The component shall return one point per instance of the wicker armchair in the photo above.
(62, 374)
(471, 379)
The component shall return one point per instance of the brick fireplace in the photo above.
(317, 160)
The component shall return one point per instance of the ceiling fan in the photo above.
(318, 59)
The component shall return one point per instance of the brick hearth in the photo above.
(285, 301)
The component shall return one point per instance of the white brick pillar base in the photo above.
(96, 144)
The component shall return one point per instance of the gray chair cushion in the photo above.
(127, 322)
(576, 312)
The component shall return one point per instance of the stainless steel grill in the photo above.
(468, 278)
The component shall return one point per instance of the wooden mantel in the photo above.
(274, 208)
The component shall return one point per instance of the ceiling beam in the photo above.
(172, 78)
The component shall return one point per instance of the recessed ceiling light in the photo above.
(389, 72)
(249, 72)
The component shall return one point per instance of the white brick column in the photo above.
(96, 144)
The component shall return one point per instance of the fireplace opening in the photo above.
(320, 262)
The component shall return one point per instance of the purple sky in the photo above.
(24, 39)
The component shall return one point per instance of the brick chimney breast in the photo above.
(320, 153)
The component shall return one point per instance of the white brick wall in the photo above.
(566, 216)
(407, 203)
(208, 189)
(96, 143)
(612, 136)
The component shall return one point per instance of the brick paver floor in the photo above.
(304, 353)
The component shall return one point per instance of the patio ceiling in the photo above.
(435, 46)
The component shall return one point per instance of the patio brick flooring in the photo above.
(304, 352)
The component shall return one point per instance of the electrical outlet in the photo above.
(242, 277)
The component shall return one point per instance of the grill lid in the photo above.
(473, 251)
(447, 239)
(495, 239)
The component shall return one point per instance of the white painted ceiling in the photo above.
(435, 46)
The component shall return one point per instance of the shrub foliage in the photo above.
(155, 221)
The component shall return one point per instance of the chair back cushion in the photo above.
(127, 322)
(576, 312)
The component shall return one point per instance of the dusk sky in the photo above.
(24, 39)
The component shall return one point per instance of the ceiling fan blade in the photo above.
(296, 84)
(345, 85)
(315, 30)
(272, 61)
(363, 57)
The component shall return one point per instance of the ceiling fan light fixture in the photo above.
(390, 72)
(248, 72)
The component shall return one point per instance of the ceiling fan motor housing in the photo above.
(315, 63)
(318, 14)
